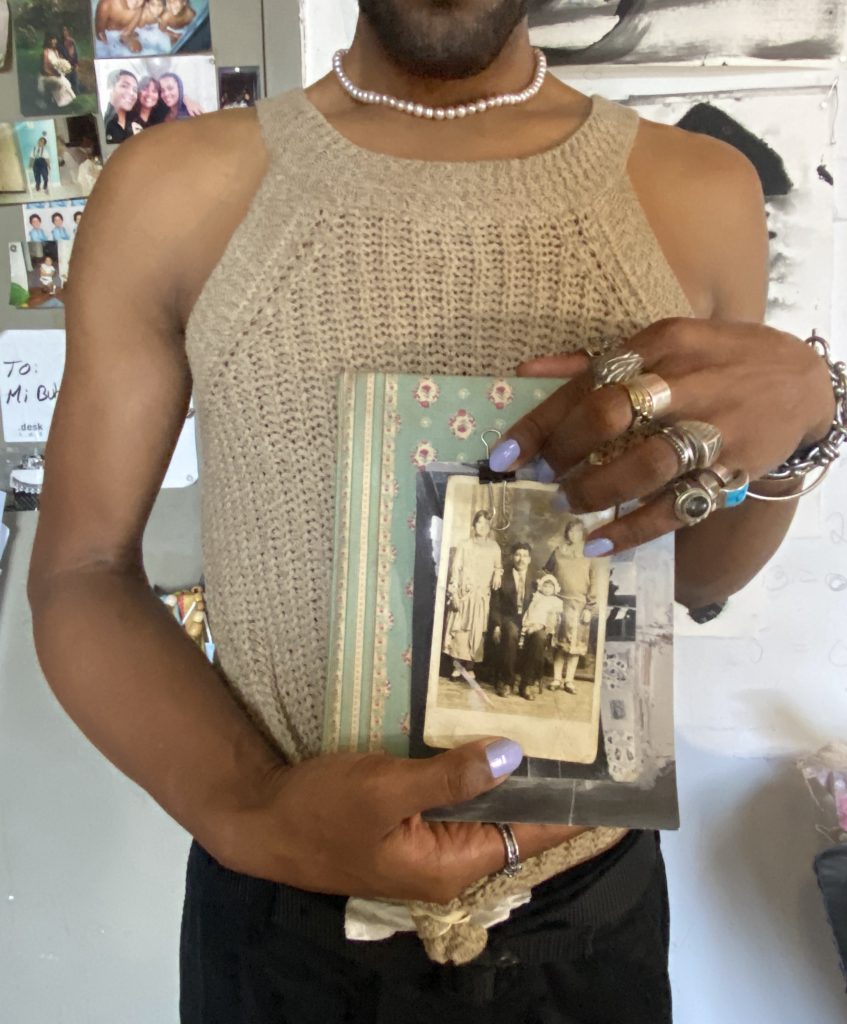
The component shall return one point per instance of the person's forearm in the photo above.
(721, 555)
(146, 697)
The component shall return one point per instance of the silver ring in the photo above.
(694, 500)
(681, 444)
(615, 368)
(513, 854)
(650, 397)
(705, 440)
(734, 486)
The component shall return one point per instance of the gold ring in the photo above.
(650, 396)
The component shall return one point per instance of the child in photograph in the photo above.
(77, 219)
(40, 164)
(47, 275)
(60, 232)
(541, 621)
(36, 231)
(123, 16)
(177, 17)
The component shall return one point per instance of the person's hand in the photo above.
(351, 824)
(534, 628)
(496, 634)
(764, 390)
(193, 107)
(585, 618)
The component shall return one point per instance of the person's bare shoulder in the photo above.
(704, 200)
(170, 198)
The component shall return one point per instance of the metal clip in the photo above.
(499, 521)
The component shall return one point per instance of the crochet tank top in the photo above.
(349, 259)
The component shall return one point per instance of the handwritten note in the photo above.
(31, 368)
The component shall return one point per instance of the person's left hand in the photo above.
(767, 392)
(586, 616)
(194, 109)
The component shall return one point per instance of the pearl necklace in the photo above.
(441, 113)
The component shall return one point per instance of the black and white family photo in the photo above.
(140, 94)
(519, 622)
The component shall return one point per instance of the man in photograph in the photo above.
(436, 204)
(508, 605)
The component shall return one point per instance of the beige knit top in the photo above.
(349, 259)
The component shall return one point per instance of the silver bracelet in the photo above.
(821, 455)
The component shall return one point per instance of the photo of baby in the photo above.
(140, 94)
(142, 28)
(38, 273)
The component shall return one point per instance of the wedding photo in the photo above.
(142, 28)
(54, 57)
(520, 615)
(140, 94)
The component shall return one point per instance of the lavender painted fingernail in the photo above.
(503, 757)
(544, 472)
(504, 455)
(598, 548)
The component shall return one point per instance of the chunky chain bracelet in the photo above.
(821, 455)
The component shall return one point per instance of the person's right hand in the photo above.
(496, 634)
(351, 824)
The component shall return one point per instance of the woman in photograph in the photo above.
(123, 96)
(149, 110)
(53, 80)
(173, 96)
(576, 575)
(40, 163)
(477, 570)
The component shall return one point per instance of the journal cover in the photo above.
(427, 562)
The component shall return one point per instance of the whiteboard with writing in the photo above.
(31, 367)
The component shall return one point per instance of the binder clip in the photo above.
(26, 481)
(500, 520)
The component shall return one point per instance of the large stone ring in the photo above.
(615, 368)
(650, 396)
(734, 486)
(694, 499)
(705, 441)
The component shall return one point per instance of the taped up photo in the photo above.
(519, 623)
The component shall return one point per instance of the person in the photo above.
(508, 604)
(60, 232)
(149, 109)
(540, 624)
(77, 219)
(123, 95)
(477, 243)
(577, 579)
(36, 231)
(123, 16)
(40, 160)
(177, 17)
(173, 97)
(47, 275)
(68, 50)
(476, 569)
(55, 69)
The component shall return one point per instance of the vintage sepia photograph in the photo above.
(140, 94)
(54, 57)
(149, 28)
(519, 624)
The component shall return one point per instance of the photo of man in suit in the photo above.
(508, 605)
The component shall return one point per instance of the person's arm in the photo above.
(119, 664)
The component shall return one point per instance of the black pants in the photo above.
(590, 948)
(41, 172)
